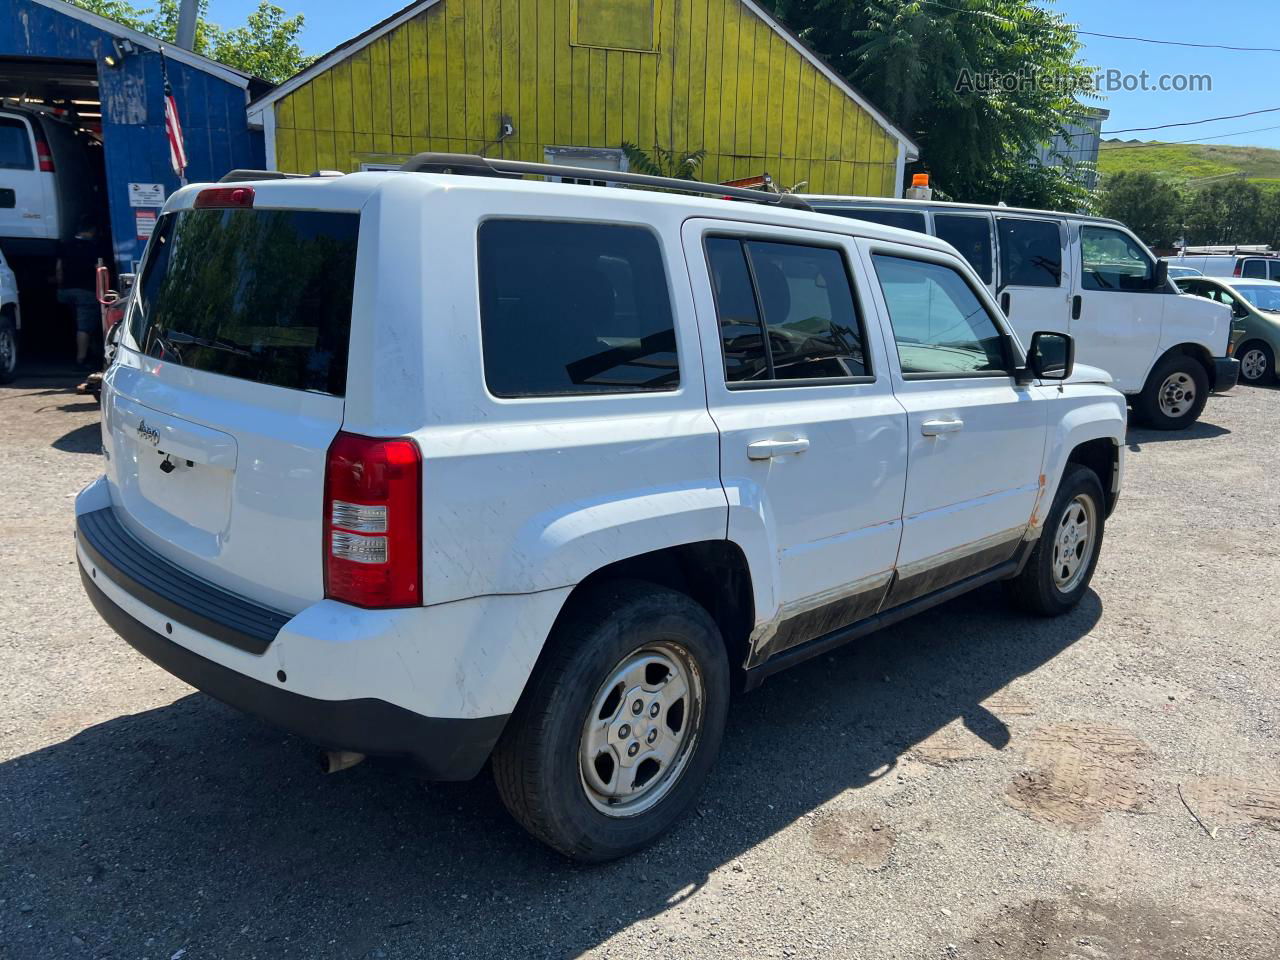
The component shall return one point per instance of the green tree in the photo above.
(1269, 216)
(930, 66)
(265, 46)
(1226, 212)
(1150, 206)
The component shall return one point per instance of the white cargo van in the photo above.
(1089, 277)
(1245, 266)
(454, 467)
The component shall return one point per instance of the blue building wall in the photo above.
(211, 109)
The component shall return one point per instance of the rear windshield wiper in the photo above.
(212, 343)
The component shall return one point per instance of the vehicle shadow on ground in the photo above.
(86, 438)
(1138, 437)
(194, 827)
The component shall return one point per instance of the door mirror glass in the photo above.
(1051, 356)
(1161, 279)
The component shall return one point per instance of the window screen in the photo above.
(260, 295)
(902, 219)
(1030, 253)
(568, 308)
(1111, 261)
(15, 145)
(940, 326)
(800, 295)
(971, 236)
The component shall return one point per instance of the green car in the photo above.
(1255, 327)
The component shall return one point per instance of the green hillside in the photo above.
(1191, 161)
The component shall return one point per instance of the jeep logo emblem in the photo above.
(150, 434)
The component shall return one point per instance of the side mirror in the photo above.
(1160, 278)
(1051, 356)
(1239, 310)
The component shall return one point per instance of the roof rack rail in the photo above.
(240, 176)
(473, 165)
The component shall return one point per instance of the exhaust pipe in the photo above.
(333, 761)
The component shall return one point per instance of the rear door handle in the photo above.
(768, 449)
(1004, 303)
(934, 428)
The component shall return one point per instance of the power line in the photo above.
(1108, 36)
(1167, 143)
(1191, 123)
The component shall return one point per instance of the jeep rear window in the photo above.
(262, 295)
(571, 308)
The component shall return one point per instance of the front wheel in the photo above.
(8, 350)
(1058, 572)
(1257, 363)
(619, 725)
(1175, 394)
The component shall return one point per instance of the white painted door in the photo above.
(1034, 290)
(25, 207)
(976, 438)
(812, 440)
(1120, 312)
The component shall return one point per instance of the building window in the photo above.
(614, 24)
(593, 158)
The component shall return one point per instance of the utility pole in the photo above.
(187, 24)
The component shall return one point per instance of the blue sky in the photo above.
(1240, 81)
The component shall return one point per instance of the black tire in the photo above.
(1263, 368)
(536, 763)
(1163, 378)
(1036, 589)
(8, 349)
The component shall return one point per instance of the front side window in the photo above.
(1111, 261)
(786, 312)
(940, 326)
(574, 308)
(971, 236)
(15, 145)
(902, 219)
(1030, 252)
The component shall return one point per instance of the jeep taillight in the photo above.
(373, 522)
(44, 157)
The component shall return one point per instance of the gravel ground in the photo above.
(969, 784)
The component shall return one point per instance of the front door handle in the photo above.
(768, 449)
(1004, 302)
(1076, 303)
(934, 428)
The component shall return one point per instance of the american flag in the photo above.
(172, 126)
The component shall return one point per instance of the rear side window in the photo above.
(571, 308)
(1030, 253)
(1256, 269)
(786, 312)
(902, 219)
(15, 145)
(256, 294)
(1275, 269)
(940, 326)
(971, 236)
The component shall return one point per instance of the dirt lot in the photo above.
(970, 784)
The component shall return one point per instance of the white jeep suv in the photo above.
(468, 468)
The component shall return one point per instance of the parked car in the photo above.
(1176, 273)
(1255, 305)
(51, 185)
(1089, 277)
(1252, 266)
(10, 322)
(461, 467)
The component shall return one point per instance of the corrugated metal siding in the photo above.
(212, 111)
(721, 80)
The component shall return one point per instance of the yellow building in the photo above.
(569, 81)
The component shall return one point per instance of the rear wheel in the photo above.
(1257, 363)
(620, 724)
(1175, 394)
(8, 349)
(1058, 572)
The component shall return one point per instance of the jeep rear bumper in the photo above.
(129, 584)
(1226, 373)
